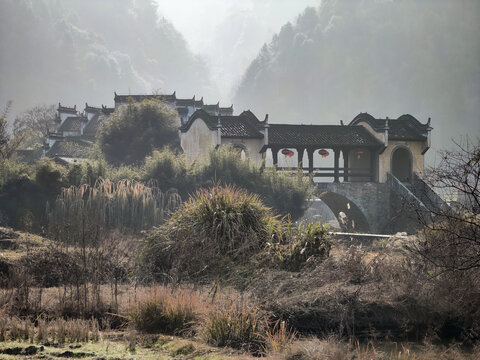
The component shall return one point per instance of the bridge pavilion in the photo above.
(368, 147)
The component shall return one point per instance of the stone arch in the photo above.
(401, 163)
(350, 217)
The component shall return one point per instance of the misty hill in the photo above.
(76, 51)
(384, 57)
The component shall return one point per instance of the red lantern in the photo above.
(288, 152)
(324, 153)
(359, 154)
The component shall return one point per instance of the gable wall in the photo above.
(197, 140)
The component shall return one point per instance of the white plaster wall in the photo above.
(90, 115)
(197, 140)
(253, 148)
(416, 148)
(63, 116)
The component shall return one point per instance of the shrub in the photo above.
(166, 311)
(169, 171)
(278, 337)
(134, 130)
(306, 244)
(238, 325)
(10, 170)
(286, 193)
(219, 225)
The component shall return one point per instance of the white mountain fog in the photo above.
(319, 65)
(384, 57)
(76, 51)
(229, 34)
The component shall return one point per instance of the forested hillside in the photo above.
(73, 51)
(384, 57)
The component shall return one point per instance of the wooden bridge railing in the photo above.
(346, 173)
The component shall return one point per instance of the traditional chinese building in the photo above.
(75, 131)
(364, 150)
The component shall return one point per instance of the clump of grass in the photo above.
(166, 311)
(239, 326)
(220, 225)
(278, 337)
(60, 330)
(307, 243)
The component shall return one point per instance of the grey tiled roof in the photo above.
(406, 127)
(138, 98)
(239, 126)
(72, 123)
(29, 155)
(186, 102)
(70, 147)
(283, 135)
(93, 125)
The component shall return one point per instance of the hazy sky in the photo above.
(229, 33)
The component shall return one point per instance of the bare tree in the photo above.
(451, 234)
(35, 124)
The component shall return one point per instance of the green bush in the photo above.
(287, 194)
(169, 171)
(24, 195)
(133, 131)
(10, 170)
(307, 243)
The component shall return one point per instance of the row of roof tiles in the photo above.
(247, 125)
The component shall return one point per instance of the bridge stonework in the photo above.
(367, 204)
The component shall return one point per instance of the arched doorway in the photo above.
(401, 164)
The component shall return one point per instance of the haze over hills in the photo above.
(229, 34)
(74, 51)
(384, 57)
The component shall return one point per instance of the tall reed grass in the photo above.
(166, 310)
(125, 205)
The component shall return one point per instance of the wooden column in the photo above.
(300, 157)
(345, 164)
(335, 166)
(310, 160)
(373, 155)
(275, 157)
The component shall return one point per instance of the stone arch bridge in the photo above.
(379, 207)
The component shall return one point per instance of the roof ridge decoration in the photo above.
(405, 127)
(232, 126)
(66, 108)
